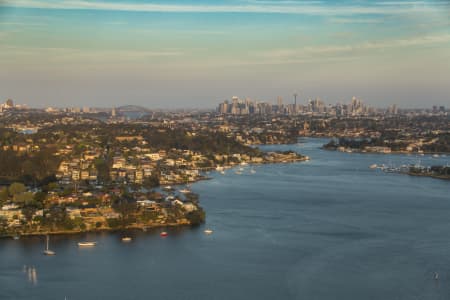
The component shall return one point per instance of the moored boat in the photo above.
(87, 244)
(126, 239)
(47, 251)
(208, 231)
(163, 234)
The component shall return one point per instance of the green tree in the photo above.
(40, 197)
(4, 195)
(28, 212)
(16, 188)
(23, 198)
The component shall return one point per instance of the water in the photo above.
(330, 228)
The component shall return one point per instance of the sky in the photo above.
(195, 54)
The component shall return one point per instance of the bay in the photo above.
(330, 228)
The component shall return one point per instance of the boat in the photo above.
(252, 171)
(435, 155)
(208, 231)
(374, 166)
(164, 234)
(185, 191)
(47, 251)
(87, 244)
(222, 172)
(126, 239)
(238, 172)
(168, 188)
(16, 237)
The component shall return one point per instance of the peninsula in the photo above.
(75, 172)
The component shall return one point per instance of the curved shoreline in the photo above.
(98, 230)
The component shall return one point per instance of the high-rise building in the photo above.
(9, 103)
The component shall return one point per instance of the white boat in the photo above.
(185, 191)
(252, 171)
(244, 163)
(436, 155)
(87, 244)
(374, 166)
(222, 172)
(238, 172)
(219, 168)
(208, 231)
(47, 251)
(126, 239)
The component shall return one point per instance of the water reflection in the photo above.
(31, 274)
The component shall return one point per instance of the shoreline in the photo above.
(142, 228)
(392, 152)
(270, 157)
(427, 175)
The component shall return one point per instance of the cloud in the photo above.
(284, 7)
(62, 55)
(356, 20)
(340, 49)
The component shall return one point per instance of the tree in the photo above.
(28, 212)
(151, 182)
(4, 195)
(23, 198)
(40, 197)
(16, 188)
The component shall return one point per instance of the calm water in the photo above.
(330, 228)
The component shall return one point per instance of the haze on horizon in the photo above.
(175, 53)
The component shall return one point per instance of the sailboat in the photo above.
(47, 251)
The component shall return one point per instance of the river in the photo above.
(330, 228)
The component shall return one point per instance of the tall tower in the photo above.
(295, 103)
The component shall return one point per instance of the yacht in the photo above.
(47, 251)
(185, 191)
(374, 166)
(126, 239)
(87, 244)
(208, 231)
(164, 234)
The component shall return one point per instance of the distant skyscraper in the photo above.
(9, 103)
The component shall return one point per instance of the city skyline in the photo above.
(195, 54)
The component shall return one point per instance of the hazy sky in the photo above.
(165, 54)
